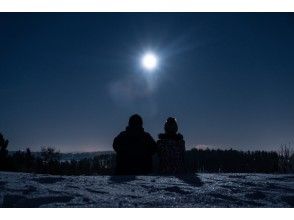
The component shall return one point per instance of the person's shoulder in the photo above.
(161, 136)
(180, 136)
(121, 134)
(148, 135)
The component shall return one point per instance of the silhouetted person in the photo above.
(134, 148)
(171, 149)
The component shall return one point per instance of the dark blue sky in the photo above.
(71, 80)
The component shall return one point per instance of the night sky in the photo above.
(71, 80)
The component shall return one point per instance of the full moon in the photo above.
(149, 61)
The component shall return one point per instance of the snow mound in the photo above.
(198, 190)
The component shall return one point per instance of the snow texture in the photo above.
(199, 190)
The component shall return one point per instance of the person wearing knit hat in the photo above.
(171, 149)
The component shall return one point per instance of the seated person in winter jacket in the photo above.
(134, 149)
(171, 149)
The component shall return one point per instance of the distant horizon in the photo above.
(199, 147)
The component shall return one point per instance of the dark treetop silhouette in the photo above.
(134, 148)
(171, 149)
(196, 160)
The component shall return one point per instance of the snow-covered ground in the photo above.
(199, 190)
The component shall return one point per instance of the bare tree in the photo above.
(285, 158)
(3, 146)
(49, 154)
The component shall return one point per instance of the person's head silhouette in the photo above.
(171, 126)
(135, 121)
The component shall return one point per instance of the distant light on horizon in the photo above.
(149, 61)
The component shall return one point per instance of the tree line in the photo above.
(196, 160)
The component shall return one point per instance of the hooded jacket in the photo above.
(134, 149)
